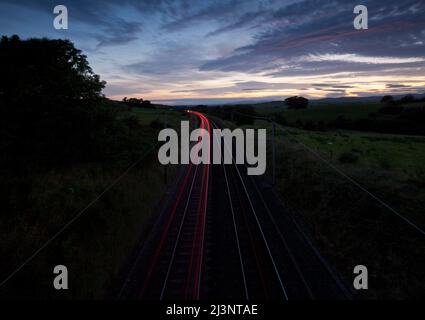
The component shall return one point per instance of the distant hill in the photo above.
(354, 100)
(313, 102)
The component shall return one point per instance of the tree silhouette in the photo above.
(136, 102)
(52, 110)
(296, 102)
(408, 99)
(387, 99)
(46, 70)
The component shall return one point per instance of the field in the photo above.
(326, 113)
(349, 225)
(399, 153)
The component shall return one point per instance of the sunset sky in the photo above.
(206, 51)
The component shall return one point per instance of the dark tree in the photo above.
(407, 99)
(52, 110)
(49, 71)
(387, 99)
(136, 102)
(296, 102)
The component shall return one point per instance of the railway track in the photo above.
(222, 236)
(170, 266)
(277, 260)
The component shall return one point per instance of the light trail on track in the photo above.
(199, 183)
(221, 235)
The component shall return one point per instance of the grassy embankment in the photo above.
(95, 246)
(351, 227)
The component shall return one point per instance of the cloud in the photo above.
(323, 32)
(212, 10)
(237, 48)
(244, 86)
(125, 88)
(120, 32)
(331, 85)
(396, 86)
(102, 18)
(247, 19)
(360, 59)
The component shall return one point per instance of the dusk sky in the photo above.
(178, 51)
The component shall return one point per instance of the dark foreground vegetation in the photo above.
(62, 143)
